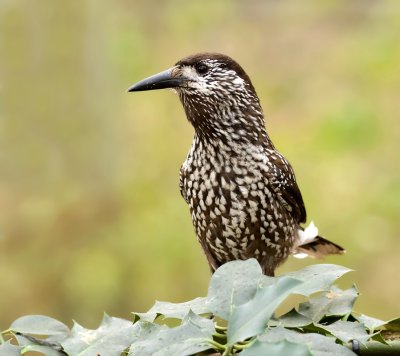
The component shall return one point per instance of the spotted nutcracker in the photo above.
(242, 193)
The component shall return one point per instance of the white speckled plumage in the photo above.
(242, 193)
(245, 174)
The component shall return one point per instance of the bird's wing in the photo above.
(283, 181)
(181, 187)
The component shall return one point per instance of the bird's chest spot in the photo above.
(233, 208)
(218, 203)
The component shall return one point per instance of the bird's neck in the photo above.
(232, 123)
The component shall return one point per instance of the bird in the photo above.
(242, 193)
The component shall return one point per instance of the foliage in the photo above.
(236, 316)
(89, 173)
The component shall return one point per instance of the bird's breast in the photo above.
(232, 205)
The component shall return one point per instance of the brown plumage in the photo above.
(242, 193)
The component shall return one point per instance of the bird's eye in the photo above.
(201, 68)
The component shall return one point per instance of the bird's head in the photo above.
(203, 74)
(214, 89)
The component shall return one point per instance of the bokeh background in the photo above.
(91, 218)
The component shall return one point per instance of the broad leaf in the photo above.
(315, 328)
(192, 336)
(319, 345)
(43, 350)
(393, 325)
(39, 325)
(279, 348)
(251, 318)
(370, 323)
(235, 283)
(174, 310)
(334, 302)
(346, 331)
(43, 346)
(379, 338)
(292, 319)
(7, 349)
(112, 337)
(317, 278)
(205, 324)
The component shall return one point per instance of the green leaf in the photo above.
(370, 323)
(7, 349)
(292, 319)
(279, 348)
(393, 325)
(144, 330)
(203, 323)
(346, 331)
(315, 328)
(317, 278)
(39, 325)
(251, 318)
(194, 335)
(319, 345)
(42, 349)
(335, 302)
(235, 283)
(379, 338)
(44, 346)
(175, 310)
(112, 337)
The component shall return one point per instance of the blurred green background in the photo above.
(91, 218)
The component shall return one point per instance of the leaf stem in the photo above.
(217, 345)
(228, 351)
(243, 345)
(219, 335)
(220, 328)
(346, 316)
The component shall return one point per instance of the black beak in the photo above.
(159, 81)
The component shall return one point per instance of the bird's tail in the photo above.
(310, 244)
